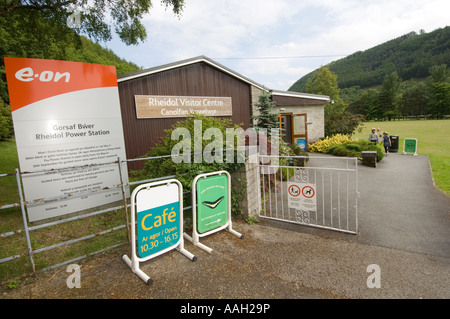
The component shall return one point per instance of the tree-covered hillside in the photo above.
(42, 39)
(410, 55)
(34, 36)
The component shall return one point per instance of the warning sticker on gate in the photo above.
(302, 196)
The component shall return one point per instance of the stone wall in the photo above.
(246, 183)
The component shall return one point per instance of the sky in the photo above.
(276, 42)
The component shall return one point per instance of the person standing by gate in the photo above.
(373, 137)
(386, 142)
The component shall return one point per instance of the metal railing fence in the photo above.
(332, 183)
(28, 227)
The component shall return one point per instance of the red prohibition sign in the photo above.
(308, 192)
(293, 192)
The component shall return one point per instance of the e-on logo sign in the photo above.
(27, 75)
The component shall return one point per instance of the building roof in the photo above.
(174, 65)
(202, 58)
(300, 95)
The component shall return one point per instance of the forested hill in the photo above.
(410, 55)
(34, 35)
(45, 39)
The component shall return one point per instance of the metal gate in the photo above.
(317, 191)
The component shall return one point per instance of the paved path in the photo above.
(407, 211)
(400, 207)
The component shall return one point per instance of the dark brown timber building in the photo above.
(154, 99)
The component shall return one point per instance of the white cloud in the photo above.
(281, 28)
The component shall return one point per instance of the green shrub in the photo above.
(341, 150)
(185, 171)
(350, 148)
(330, 149)
(322, 145)
(369, 146)
(354, 147)
(297, 151)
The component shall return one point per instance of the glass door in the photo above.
(286, 127)
(300, 130)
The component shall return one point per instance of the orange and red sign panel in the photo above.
(65, 114)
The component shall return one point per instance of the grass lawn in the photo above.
(433, 141)
(8, 163)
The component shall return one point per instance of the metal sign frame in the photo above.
(195, 239)
(135, 260)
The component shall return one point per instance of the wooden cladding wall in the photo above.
(197, 79)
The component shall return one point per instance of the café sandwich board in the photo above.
(157, 223)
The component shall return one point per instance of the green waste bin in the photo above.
(394, 144)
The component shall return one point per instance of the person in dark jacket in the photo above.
(386, 142)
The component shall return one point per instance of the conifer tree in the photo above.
(266, 118)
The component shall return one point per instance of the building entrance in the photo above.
(294, 129)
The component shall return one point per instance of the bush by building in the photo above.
(343, 145)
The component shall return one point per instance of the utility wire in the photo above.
(283, 57)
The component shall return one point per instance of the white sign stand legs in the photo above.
(158, 202)
(195, 239)
(134, 265)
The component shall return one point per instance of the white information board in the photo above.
(66, 114)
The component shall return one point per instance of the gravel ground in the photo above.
(270, 262)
